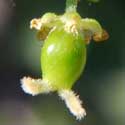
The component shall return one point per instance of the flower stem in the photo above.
(71, 5)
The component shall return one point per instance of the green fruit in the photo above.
(63, 58)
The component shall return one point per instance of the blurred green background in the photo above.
(101, 86)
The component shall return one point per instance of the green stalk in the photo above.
(71, 5)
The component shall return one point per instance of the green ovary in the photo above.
(63, 58)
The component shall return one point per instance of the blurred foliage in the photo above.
(101, 86)
(94, 1)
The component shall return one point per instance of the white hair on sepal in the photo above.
(73, 103)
